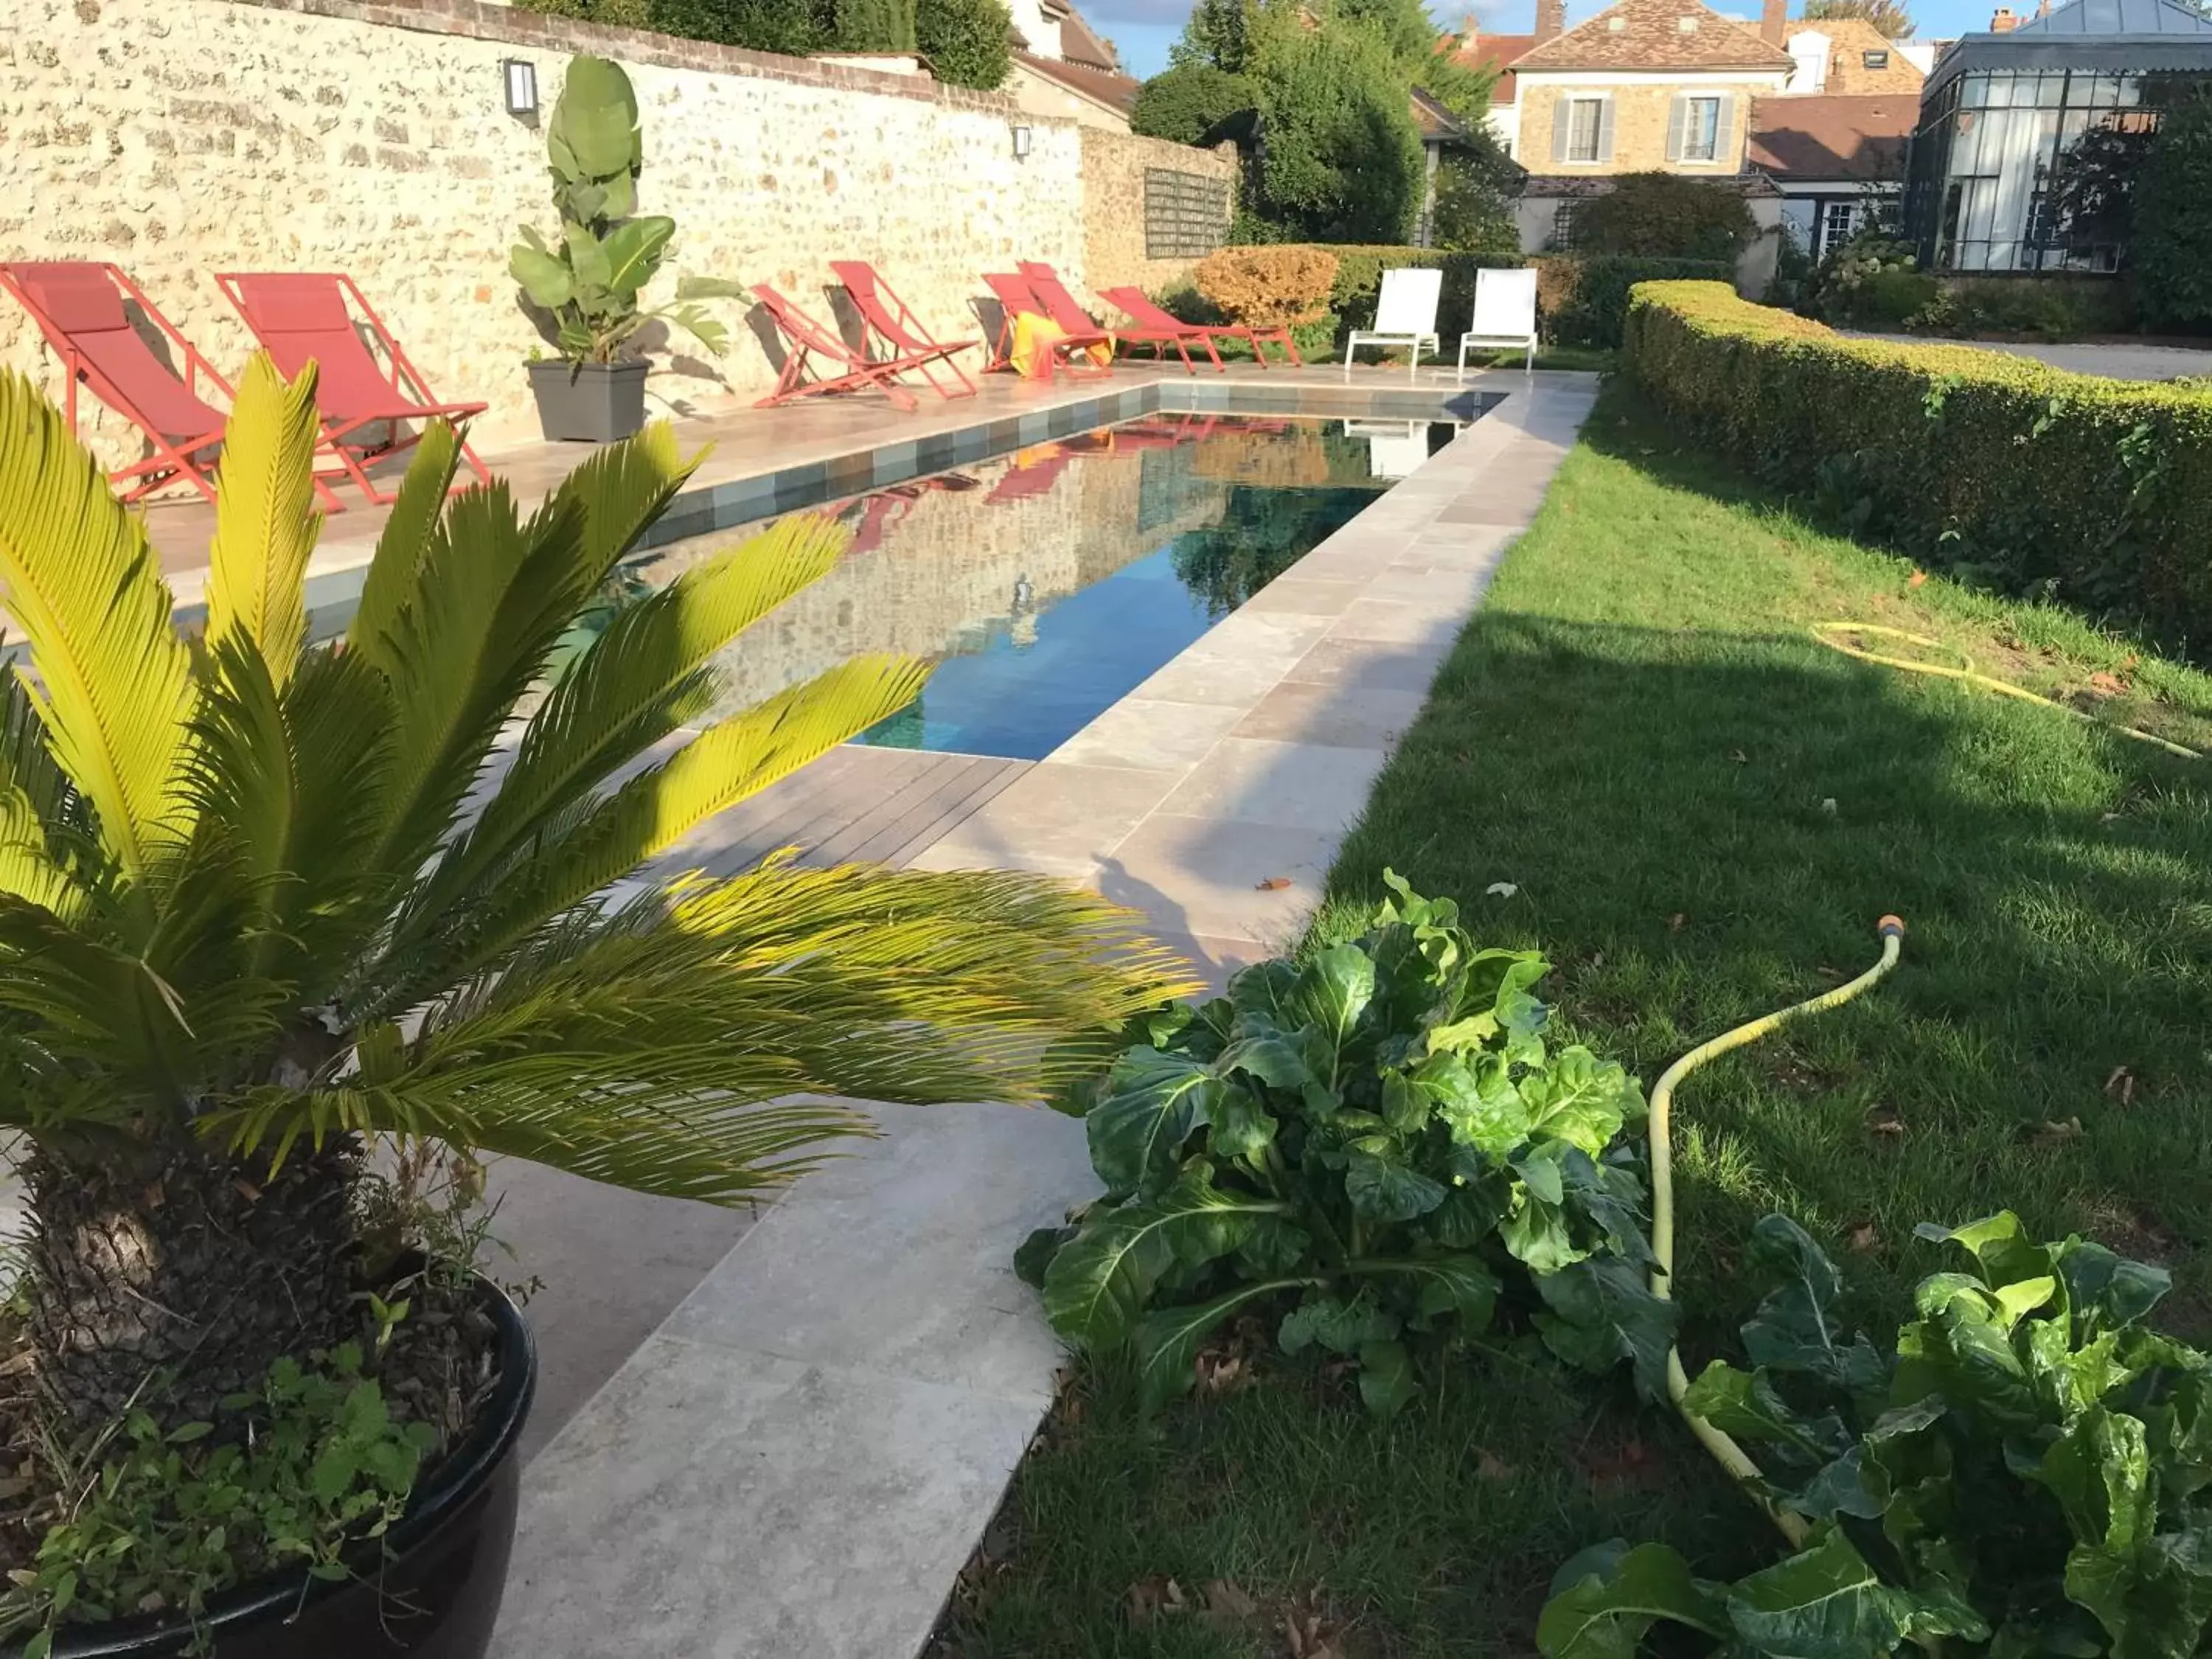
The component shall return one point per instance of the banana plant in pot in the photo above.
(590, 284)
(266, 904)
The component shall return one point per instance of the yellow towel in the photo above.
(1034, 339)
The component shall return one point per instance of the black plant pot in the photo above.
(430, 1589)
(588, 403)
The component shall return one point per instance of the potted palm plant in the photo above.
(267, 903)
(590, 283)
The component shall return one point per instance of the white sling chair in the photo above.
(1405, 315)
(1504, 315)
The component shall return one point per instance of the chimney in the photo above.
(1774, 21)
(1551, 19)
(2005, 20)
(1470, 32)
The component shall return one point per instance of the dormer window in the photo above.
(1875, 60)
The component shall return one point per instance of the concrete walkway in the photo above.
(800, 1459)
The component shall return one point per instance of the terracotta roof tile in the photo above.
(1102, 86)
(1831, 137)
(1493, 52)
(1649, 34)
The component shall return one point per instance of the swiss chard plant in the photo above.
(1371, 1146)
(2028, 1472)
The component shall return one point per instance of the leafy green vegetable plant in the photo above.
(590, 281)
(2026, 1474)
(1378, 1142)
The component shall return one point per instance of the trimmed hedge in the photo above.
(2095, 491)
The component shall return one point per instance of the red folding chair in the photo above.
(303, 316)
(891, 319)
(1022, 481)
(1155, 325)
(809, 339)
(78, 306)
(1016, 300)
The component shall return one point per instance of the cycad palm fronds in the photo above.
(257, 892)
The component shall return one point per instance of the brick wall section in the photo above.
(1114, 167)
(1639, 131)
(180, 137)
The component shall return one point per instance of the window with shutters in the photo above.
(1701, 130)
(1585, 123)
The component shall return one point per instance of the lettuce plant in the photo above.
(1371, 1145)
(2029, 1471)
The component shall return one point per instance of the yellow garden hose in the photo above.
(1732, 1457)
(1964, 670)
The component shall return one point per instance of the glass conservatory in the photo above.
(2027, 140)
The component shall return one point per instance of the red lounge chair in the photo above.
(892, 320)
(1152, 322)
(1015, 299)
(299, 317)
(78, 306)
(1037, 478)
(808, 338)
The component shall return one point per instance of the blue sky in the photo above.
(1144, 29)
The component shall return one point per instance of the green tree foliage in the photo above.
(1339, 160)
(2173, 255)
(966, 41)
(1664, 215)
(873, 25)
(793, 27)
(1217, 34)
(1889, 17)
(1188, 102)
(1473, 212)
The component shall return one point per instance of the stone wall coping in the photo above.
(477, 19)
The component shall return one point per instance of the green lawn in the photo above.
(1702, 812)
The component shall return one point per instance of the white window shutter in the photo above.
(1723, 150)
(1563, 122)
(1678, 114)
(1605, 129)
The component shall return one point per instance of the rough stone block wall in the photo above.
(1114, 167)
(1639, 131)
(183, 138)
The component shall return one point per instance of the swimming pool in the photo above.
(1049, 584)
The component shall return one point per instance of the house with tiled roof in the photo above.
(1064, 67)
(1837, 159)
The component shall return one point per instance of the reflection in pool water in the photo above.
(1049, 584)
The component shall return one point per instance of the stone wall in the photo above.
(183, 138)
(1641, 112)
(1114, 167)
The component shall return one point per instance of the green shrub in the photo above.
(1359, 280)
(1838, 288)
(1373, 1148)
(866, 26)
(2173, 213)
(2023, 1471)
(1585, 302)
(1663, 215)
(1272, 287)
(1471, 213)
(794, 27)
(1891, 298)
(1343, 161)
(2050, 306)
(1188, 103)
(965, 41)
(621, 14)
(2002, 468)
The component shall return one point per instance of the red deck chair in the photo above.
(303, 316)
(808, 338)
(1151, 320)
(78, 306)
(1016, 299)
(1037, 478)
(892, 320)
(1059, 304)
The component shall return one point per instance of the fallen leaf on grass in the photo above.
(1631, 1463)
(1884, 1120)
(1309, 1634)
(1226, 1604)
(1501, 890)
(1676, 922)
(1863, 1237)
(2121, 1085)
(1828, 805)
(1917, 579)
(1153, 1598)
(1739, 757)
(1271, 884)
(2051, 1131)
(1489, 1465)
(2109, 685)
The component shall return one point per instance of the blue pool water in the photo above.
(1126, 545)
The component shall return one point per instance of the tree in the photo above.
(1889, 17)
(872, 26)
(1664, 215)
(1217, 34)
(1340, 157)
(1473, 212)
(1189, 101)
(2173, 254)
(793, 28)
(965, 41)
(261, 899)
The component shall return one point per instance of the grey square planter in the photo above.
(588, 403)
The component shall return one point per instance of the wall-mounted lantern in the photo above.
(1023, 137)
(521, 86)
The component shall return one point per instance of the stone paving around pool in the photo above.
(799, 1459)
